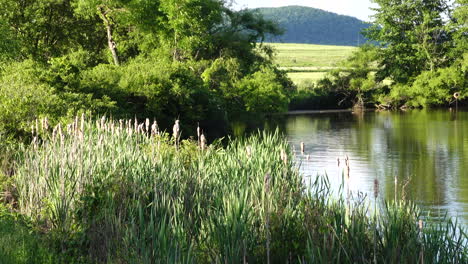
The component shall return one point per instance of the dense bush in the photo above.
(136, 59)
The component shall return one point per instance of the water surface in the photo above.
(426, 152)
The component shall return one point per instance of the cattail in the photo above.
(347, 168)
(147, 123)
(284, 156)
(154, 128)
(129, 126)
(248, 151)
(198, 133)
(420, 225)
(267, 215)
(202, 142)
(376, 188)
(69, 129)
(32, 130)
(338, 161)
(45, 124)
(60, 134)
(140, 128)
(81, 135)
(121, 124)
(75, 125)
(54, 132)
(82, 122)
(176, 132)
(37, 126)
(302, 148)
(308, 157)
(135, 125)
(103, 121)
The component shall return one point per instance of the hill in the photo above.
(315, 26)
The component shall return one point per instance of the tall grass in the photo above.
(122, 192)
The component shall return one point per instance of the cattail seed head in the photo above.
(154, 128)
(248, 151)
(284, 156)
(140, 128)
(302, 148)
(202, 141)
(82, 122)
(103, 121)
(376, 188)
(266, 180)
(420, 224)
(70, 128)
(176, 130)
(347, 172)
(147, 125)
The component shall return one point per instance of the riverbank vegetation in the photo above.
(121, 190)
(418, 58)
(197, 61)
(125, 192)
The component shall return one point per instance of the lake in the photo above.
(426, 151)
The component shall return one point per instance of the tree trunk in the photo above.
(110, 41)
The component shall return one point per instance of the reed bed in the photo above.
(124, 192)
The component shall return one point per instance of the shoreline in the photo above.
(301, 112)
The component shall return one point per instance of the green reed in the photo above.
(121, 192)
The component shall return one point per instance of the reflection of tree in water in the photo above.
(425, 147)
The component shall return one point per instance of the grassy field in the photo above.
(308, 63)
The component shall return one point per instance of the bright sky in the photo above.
(355, 8)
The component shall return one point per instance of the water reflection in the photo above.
(425, 151)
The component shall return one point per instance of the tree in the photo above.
(355, 79)
(412, 35)
(44, 29)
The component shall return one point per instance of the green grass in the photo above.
(307, 55)
(306, 63)
(19, 243)
(304, 79)
(105, 192)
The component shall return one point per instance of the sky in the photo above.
(355, 8)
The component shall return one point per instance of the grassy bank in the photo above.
(123, 192)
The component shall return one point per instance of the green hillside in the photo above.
(315, 26)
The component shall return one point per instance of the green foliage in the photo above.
(413, 36)
(159, 51)
(418, 61)
(263, 93)
(23, 97)
(45, 29)
(19, 244)
(356, 80)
